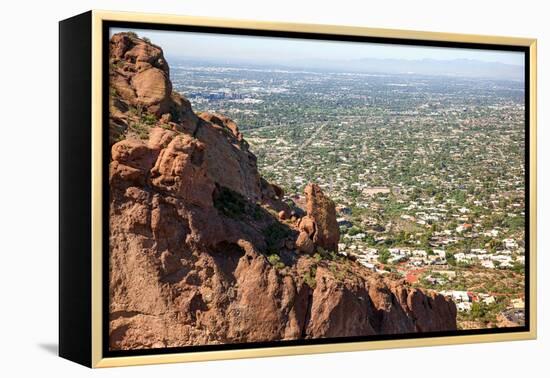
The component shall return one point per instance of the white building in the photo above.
(419, 253)
(464, 306)
(489, 300)
(479, 251)
(510, 243)
(518, 303)
(457, 296)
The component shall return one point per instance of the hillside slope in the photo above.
(203, 250)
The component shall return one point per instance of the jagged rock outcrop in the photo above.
(141, 90)
(205, 251)
(319, 225)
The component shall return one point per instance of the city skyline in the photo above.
(336, 55)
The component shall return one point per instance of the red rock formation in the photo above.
(141, 90)
(319, 225)
(203, 250)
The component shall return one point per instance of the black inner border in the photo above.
(106, 25)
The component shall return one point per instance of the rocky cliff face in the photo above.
(205, 251)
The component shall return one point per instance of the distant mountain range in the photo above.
(455, 67)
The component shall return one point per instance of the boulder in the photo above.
(152, 87)
(304, 244)
(180, 171)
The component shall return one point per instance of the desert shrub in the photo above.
(326, 255)
(449, 256)
(339, 272)
(275, 260)
(309, 277)
(234, 205)
(384, 256)
(140, 129)
(148, 119)
(230, 203)
(354, 230)
(274, 234)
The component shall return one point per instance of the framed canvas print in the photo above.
(234, 189)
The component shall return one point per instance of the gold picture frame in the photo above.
(92, 25)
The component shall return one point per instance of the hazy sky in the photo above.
(286, 50)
